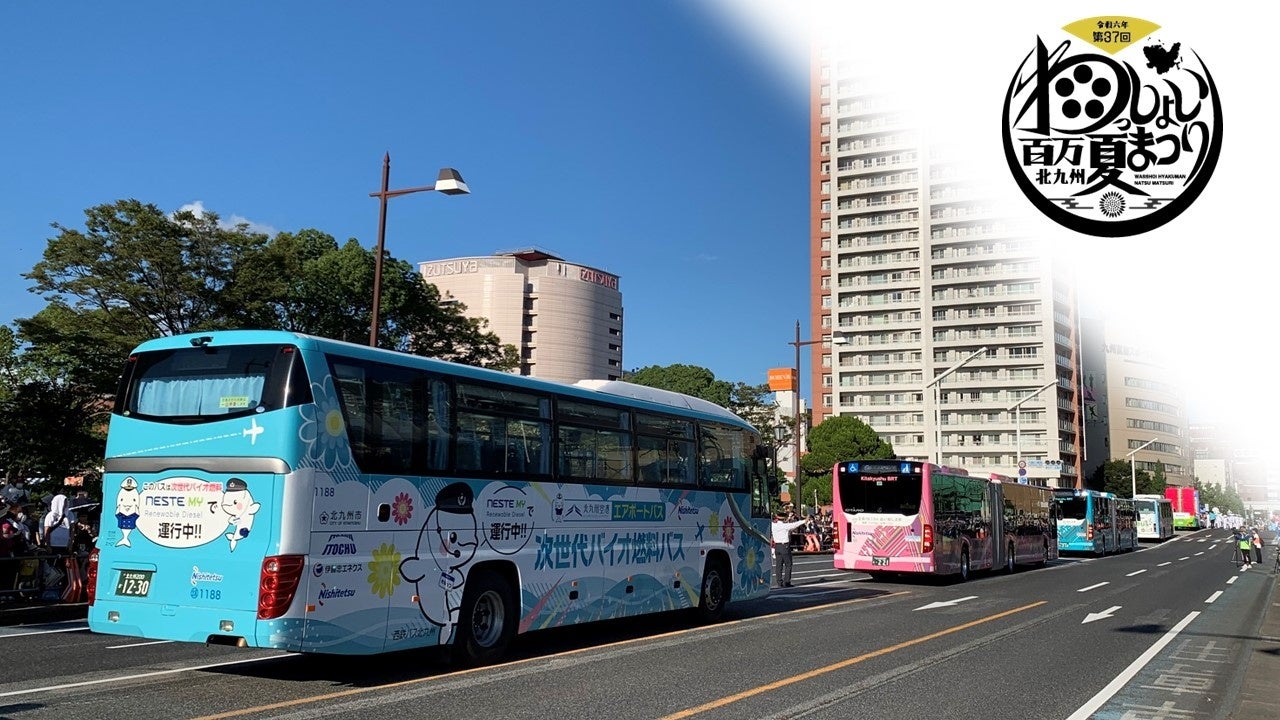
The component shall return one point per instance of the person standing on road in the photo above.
(782, 560)
(1243, 542)
(1255, 539)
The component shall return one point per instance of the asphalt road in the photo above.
(1163, 630)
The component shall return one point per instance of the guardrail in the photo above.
(43, 576)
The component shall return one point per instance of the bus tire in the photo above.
(964, 565)
(1012, 561)
(487, 621)
(716, 589)
(1044, 559)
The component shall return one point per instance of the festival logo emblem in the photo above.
(1112, 126)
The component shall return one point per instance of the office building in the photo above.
(1145, 403)
(564, 318)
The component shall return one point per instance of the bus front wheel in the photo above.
(487, 623)
(964, 565)
(1012, 561)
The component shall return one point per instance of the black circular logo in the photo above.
(1111, 126)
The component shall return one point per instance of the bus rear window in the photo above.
(1075, 508)
(203, 384)
(880, 493)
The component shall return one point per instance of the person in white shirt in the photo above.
(782, 549)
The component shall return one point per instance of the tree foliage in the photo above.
(836, 439)
(1226, 500)
(1117, 477)
(135, 272)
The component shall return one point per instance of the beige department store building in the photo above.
(564, 318)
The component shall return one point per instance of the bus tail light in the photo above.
(927, 536)
(1088, 532)
(91, 575)
(277, 584)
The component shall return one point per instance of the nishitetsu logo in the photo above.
(1112, 126)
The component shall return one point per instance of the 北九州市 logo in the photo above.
(1112, 126)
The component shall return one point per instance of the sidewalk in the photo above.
(1258, 697)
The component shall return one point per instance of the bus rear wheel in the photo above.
(715, 591)
(487, 623)
(964, 565)
(1011, 562)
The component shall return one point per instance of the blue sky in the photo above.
(646, 139)
(664, 141)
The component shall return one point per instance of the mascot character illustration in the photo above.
(240, 508)
(449, 538)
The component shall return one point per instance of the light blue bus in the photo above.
(1095, 522)
(1155, 517)
(278, 490)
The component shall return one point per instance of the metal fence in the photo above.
(44, 576)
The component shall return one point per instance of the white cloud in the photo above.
(196, 207)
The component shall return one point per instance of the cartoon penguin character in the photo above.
(127, 504)
(451, 537)
(238, 504)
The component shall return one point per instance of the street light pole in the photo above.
(449, 182)
(1133, 470)
(937, 400)
(795, 459)
(1017, 421)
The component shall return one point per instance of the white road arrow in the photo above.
(948, 603)
(1098, 616)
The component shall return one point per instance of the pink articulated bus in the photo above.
(905, 517)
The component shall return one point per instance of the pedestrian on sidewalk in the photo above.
(1256, 540)
(782, 560)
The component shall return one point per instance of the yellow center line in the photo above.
(414, 681)
(842, 664)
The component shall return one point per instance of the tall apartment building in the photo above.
(565, 319)
(916, 266)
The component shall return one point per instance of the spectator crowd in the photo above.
(41, 539)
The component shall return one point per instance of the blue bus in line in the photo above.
(279, 490)
(1155, 517)
(1095, 522)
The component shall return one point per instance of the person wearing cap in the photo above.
(127, 504)
(451, 536)
(238, 504)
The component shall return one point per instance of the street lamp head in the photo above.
(450, 182)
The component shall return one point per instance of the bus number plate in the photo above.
(134, 583)
(879, 561)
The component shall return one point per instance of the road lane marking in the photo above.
(1097, 701)
(1136, 572)
(1099, 615)
(1165, 563)
(139, 676)
(44, 632)
(1188, 557)
(946, 603)
(471, 671)
(1093, 587)
(1232, 580)
(1199, 553)
(1217, 594)
(722, 702)
(153, 642)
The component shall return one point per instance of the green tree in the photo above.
(136, 273)
(1115, 476)
(1226, 500)
(688, 379)
(836, 439)
(51, 430)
